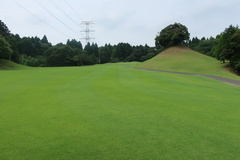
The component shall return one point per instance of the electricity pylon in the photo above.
(87, 30)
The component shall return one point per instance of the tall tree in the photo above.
(75, 44)
(59, 56)
(174, 34)
(122, 51)
(4, 31)
(25, 46)
(225, 49)
(137, 53)
(44, 39)
(235, 46)
(105, 53)
(95, 49)
(88, 48)
(5, 45)
(193, 42)
(205, 46)
(5, 49)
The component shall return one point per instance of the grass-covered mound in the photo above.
(9, 65)
(111, 112)
(183, 59)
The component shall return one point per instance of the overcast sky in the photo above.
(133, 21)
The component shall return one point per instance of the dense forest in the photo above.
(35, 51)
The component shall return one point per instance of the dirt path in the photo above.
(226, 80)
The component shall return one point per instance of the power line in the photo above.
(39, 18)
(74, 11)
(42, 6)
(61, 10)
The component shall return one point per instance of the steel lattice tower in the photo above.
(87, 30)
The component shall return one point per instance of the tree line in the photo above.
(224, 47)
(35, 51)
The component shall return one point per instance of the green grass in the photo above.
(183, 59)
(106, 112)
(8, 65)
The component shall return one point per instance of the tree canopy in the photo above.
(174, 34)
(5, 49)
(4, 29)
(34, 51)
(5, 46)
(225, 47)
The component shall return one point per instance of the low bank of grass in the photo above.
(183, 59)
(9, 65)
(113, 112)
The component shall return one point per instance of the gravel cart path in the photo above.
(226, 80)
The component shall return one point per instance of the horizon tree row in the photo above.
(33, 51)
(225, 47)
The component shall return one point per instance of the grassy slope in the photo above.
(183, 59)
(113, 112)
(8, 65)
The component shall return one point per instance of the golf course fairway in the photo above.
(111, 112)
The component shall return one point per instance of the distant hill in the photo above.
(9, 65)
(183, 59)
